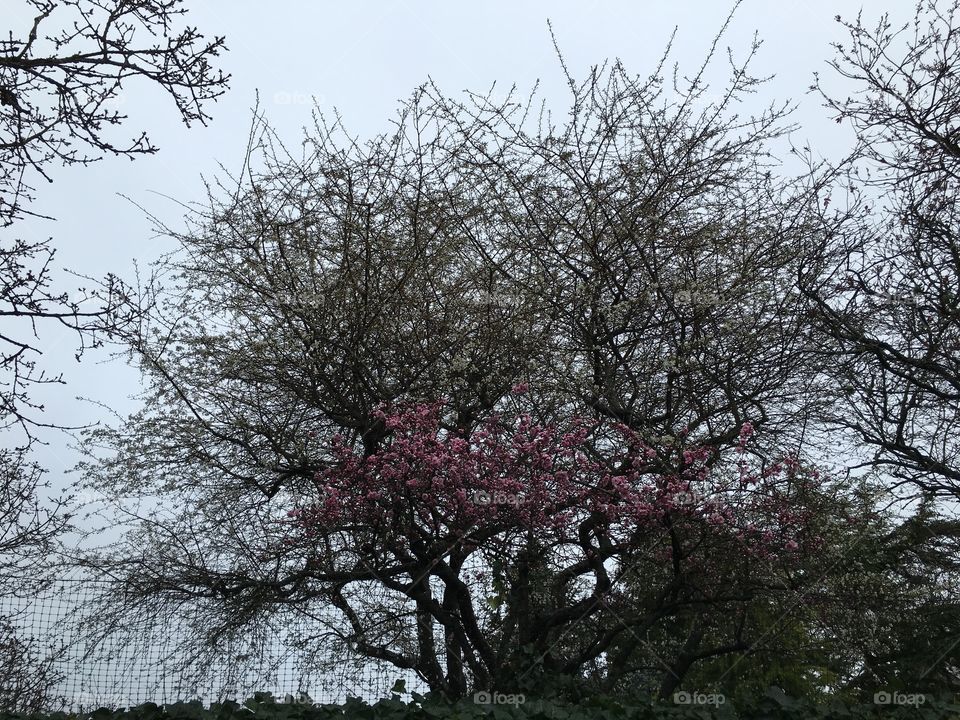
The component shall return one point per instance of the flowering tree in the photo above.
(510, 550)
(636, 265)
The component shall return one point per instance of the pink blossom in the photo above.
(513, 476)
(746, 431)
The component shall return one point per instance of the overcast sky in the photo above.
(361, 58)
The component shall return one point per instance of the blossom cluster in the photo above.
(428, 479)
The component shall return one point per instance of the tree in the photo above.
(55, 97)
(638, 267)
(590, 557)
(28, 678)
(891, 316)
(620, 267)
(57, 94)
(58, 91)
(27, 529)
(875, 611)
(25, 299)
(910, 639)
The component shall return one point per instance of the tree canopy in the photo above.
(538, 401)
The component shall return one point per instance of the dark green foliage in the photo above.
(772, 705)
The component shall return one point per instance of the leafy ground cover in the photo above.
(773, 705)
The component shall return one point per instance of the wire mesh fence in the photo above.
(58, 653)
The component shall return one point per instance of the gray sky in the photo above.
(362, 58)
